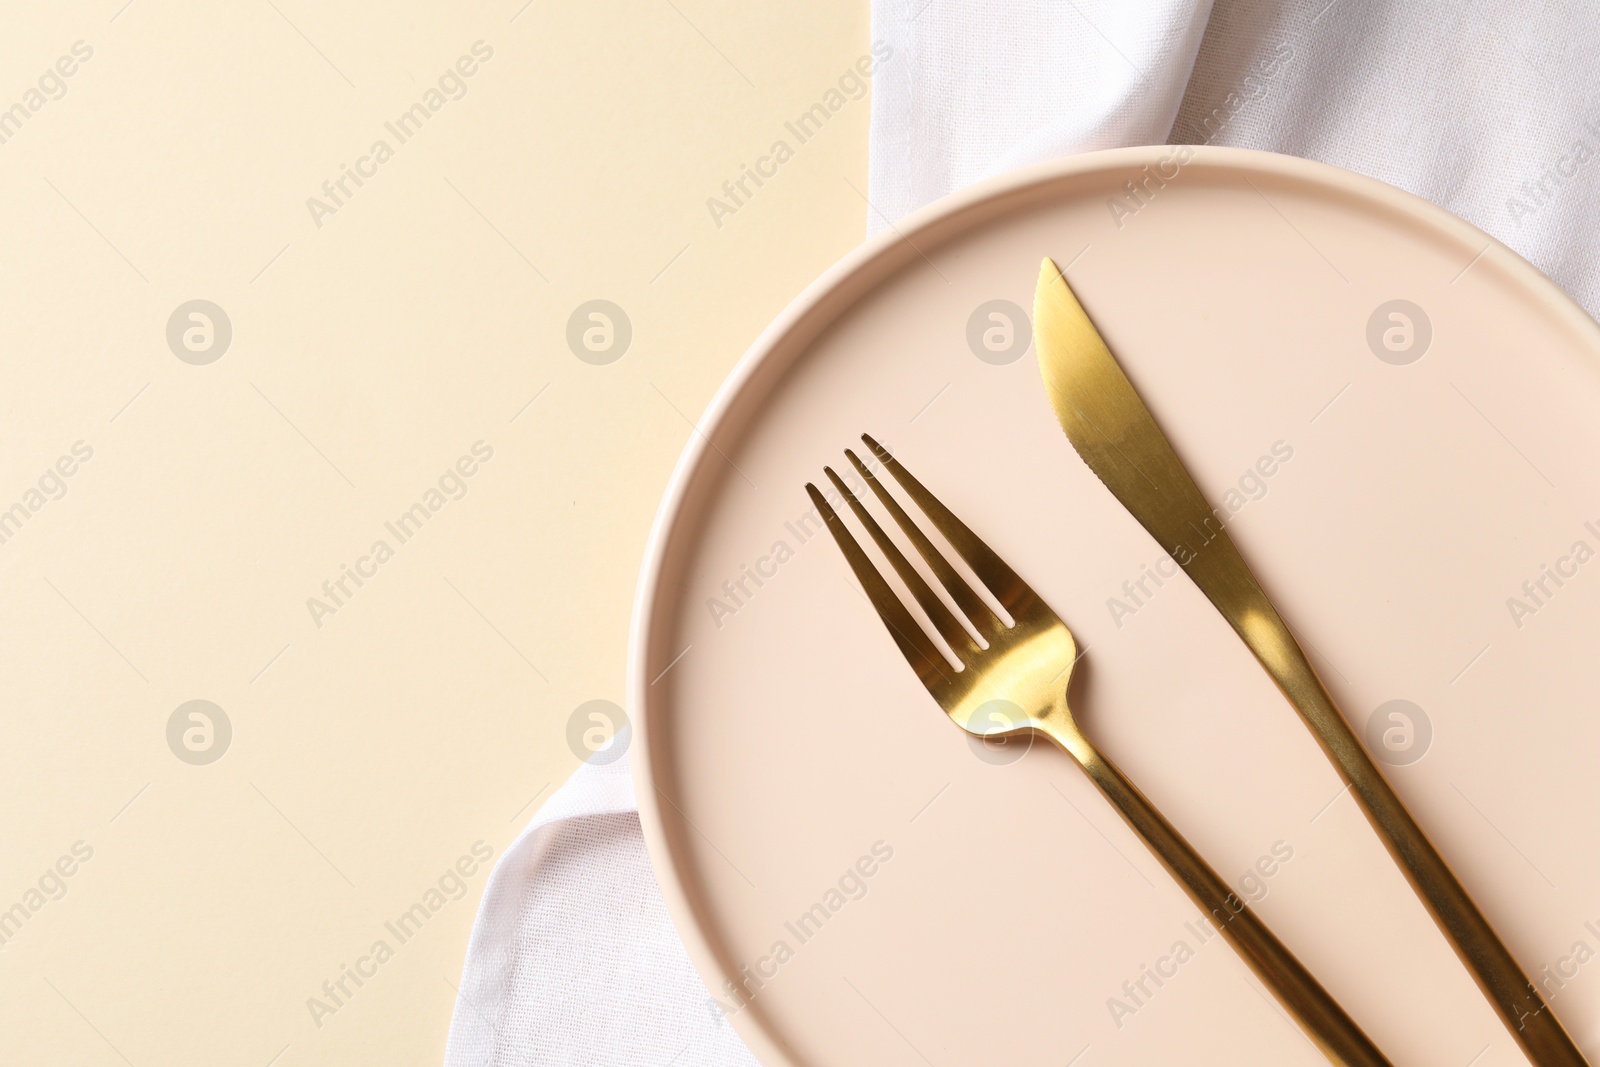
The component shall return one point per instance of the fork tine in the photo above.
(970, 602)
(908, 634)
(942, 618)
(1012, 592)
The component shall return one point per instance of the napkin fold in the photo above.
(1489, 109)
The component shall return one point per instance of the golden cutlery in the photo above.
(1016, 675)
(1118, 438)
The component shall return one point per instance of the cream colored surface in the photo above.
(370, 753)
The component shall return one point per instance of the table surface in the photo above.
(391, 220)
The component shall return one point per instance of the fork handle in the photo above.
(1301, 995)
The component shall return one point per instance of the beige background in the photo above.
(368, 754)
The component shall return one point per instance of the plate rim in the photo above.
(855, 275)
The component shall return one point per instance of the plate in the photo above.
(1400, 418)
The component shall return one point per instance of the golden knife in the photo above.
(1118, 438)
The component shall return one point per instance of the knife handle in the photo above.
(1517, 1000)
(1302, 996)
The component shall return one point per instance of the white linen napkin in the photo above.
(573, 959)
(1489, 109)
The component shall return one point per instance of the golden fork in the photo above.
(1024, 668)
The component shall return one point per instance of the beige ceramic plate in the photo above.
(881, 892)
